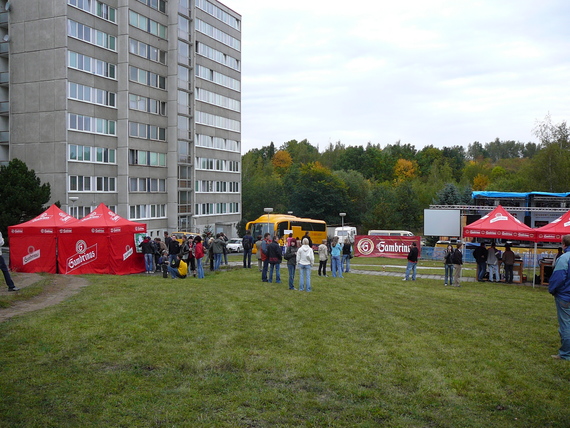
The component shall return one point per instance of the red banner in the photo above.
(395, 247)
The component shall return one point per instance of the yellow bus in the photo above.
(281, 225)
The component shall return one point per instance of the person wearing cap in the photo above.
(4, 268)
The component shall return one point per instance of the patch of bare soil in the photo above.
(60, 288)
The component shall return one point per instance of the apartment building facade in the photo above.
(133, 103)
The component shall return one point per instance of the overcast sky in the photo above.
(441, 72)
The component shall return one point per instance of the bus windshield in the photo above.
(261, 229)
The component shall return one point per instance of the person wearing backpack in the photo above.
(247, 243)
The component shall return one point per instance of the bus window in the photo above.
(261, 229)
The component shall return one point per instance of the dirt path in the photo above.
(60, 288)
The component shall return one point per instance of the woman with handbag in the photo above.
(291, 257)
(274, 255)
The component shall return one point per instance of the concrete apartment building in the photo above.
(133, 103)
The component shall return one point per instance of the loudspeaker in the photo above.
(470, 218)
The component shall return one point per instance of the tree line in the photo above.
(389, 187)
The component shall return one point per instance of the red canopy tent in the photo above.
(500, 224)
(102, 243)
(553, 232)
(33, 244)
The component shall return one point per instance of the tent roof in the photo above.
(51, 218)
(499, 224)
(103, 217)
(553, 232)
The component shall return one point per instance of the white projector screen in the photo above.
(442, 223)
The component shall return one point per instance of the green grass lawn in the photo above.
(229, 351)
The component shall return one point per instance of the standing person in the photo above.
(265, 243)
(557, 256)
(218, 250)
(275, 259)
(211, 253)
(167, 239)
(290, 239)
(305, 259)
(291, 257)
(307, 237)
(247, 243)
(480, 255)
(173, 249)
(412, 262)
(346, 255)
(448, 263)
(160, 249)
(224, 238)
(191, 256)
(178, 268)
(493, 256)
(258, 244)
(559, 287)
(336, 266)
(148, 253)
(457, 264)
(4, 268)
(199, 255)
(323, 257)
(508, 261)
(185, 249)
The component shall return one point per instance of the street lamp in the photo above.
(342, 215)
(268, 211)
(73, 199)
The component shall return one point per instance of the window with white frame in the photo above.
(91, 154)
(149, 105)
(217, 99)
(218, 13)
(218, 56)
(141, 157)
(217, 143)
(147, 78)
(217, 121)
(147, 185)
(147, 132)
(218, 78)
(159, 5)
(143, 23)
(91, 65)
(93, 125)
(79, 183)
(140, 212)
(92, 95)
(217, 34)
(147, 51)
(97, 8)
(91, 35)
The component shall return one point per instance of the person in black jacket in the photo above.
(274, 257)
(457, 264)
(412, 262)
(480, 255)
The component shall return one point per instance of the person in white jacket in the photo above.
(4, 268)
(305, 260)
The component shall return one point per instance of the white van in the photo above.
(345, 232)
(391, 232)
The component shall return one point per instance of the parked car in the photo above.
(235, 245)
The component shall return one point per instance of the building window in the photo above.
(148, 132)
(140, 212)
(94, 125)
(218, 13)
(149, 105)
(217, 100)
(217, 34)
(218, 78)
(96, 8)
(91, 154)
(143, 23)
(147, 51)
(147, 78)
(217, 143)
(217, 121)
(217, 56)
(217, 165)
(91, 65)
(141, 157)
(92, 95)
(148, 185)
(91, 35)
(159, 5)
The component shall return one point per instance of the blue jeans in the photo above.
(277, 267)
(200, 268)
(481, 270)
(264, 270)
(304, 277)
(291, 276)
(563, 310)
(493, 273)
(411, 268)
(148, 262)
(173, 272)
(346, 262)
(336, 267)
(6, 273)
(217, 260)
(247, 258)
(448, 274)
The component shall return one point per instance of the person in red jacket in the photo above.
(199, 254)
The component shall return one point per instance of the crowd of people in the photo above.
(187, 258)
